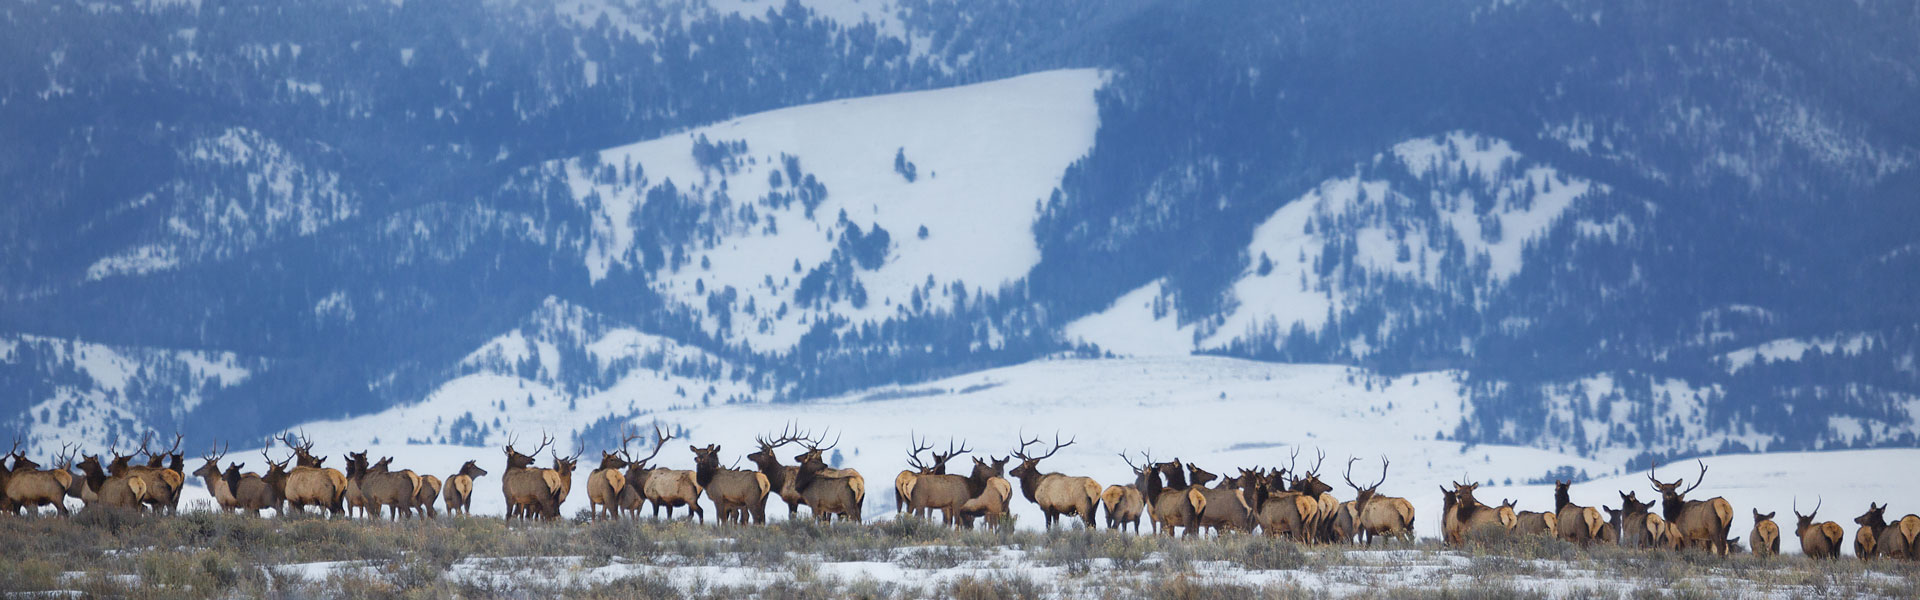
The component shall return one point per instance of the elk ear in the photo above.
(693, 447)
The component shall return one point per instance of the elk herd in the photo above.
(1176, 498)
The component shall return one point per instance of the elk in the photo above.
(780, 478)
(1056, 494)
(1326, 506)
(933, 489)
(1901, 539)
(604, 483)
(309, 483)
(1467, 515)
(1701, 523)
(904, 481)
(1574, 523)
(1765, 537)
(31, 488)
(354, 499)
(254, 492)
(1376, 515)
(429, 492)
(993, 495)
(664, 487)
(1535, 523)
(528, 491)
(561, 476)
(163, 484)
(210, 474)
(1124, 503)
(829, 491)
(394, 490)
(736, 494)
(1226, 508)
(1872, 524)
(1638, 528)
(459, 496)
(119, 491)
(1817, 540)
(6, 474)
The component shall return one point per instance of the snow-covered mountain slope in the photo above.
(89, 393)
(843, 213)
(1449, 214)
(1215, 412)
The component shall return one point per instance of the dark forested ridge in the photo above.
(345, 199)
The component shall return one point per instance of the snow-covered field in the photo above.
(1218, 413)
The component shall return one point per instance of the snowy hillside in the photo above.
(89, 393)
(840, 214)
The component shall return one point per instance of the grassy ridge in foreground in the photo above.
(203, 554)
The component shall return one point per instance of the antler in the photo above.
(545, 441)
(626, 438)
(64, 460)
(952, 452)
(215, 456)
(176, 443)
(1130, 465)
(1349, 474)
(1315, 471)
(659, 441)
(913, 457)
(813, 444)
(1701, 479)
(144, 441)
(1022, 455)
(787, 436)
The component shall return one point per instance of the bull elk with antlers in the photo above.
(662, 487)
(459, 494)
(1817, 540)
(1466, 515)
(1056, 494)
(29, 487)
(736, 494)
(1700, 523)
(932, 489)
(781, 478)
(1376, 515)
(252, 492)
(310, 482)
(828, 491)
(211, 476)
(529, 491)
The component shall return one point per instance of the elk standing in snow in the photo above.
(1574, 523)
(459, 495)
(1765, 537)
(736, 494)
(1376, 515)
(1700, 523)
(1056, 494)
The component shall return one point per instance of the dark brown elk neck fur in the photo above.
(232, 477)
(90, 470)
(1030, 477)
(1804, 522)
(982, 472)
(1560, 496)
(770, 466)
(706, 464)
(1465, 505)
(1447, 500)
(1176, 476)
(1875, 520)
(1148, 480)
(1631, 505)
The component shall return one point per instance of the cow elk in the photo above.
(1125, 503)
(736, 494)
(1056, 494)
(120, 491)
(1468, 516)
(1574, 523)
(1376, 515)
(1817, 540)
(459, 489)
(605, 483)
(1700, 523)
(252, 492)
(1226, 508)
(993, 494)
(1765, 537)
(1174, 503)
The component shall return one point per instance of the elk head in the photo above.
(1760, 518)
(1876, 517)
(1174, 472)
(1463, 493)
(1030, 464)
(516, 460)
(118, 465)
(708, 457)
(211, 469)
(918, 445)
(1668, 493)
(1310, 483)
(1200, 476)
(303, 450)
(659, 442)
(1363, 494)
(472, 470)
(989, 467)
(1805, 520)
(1630, 504)
(618, 458)
(940, 460)
(814, 450)
(764, 456)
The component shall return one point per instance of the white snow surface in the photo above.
(985, 155)
(1792, 349)
(1142, 322)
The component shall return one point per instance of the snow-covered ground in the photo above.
(1215, 412)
